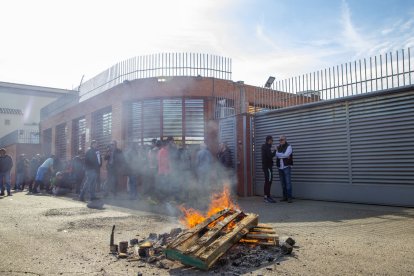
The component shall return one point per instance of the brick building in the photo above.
(137, 101)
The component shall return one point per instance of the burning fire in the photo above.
(219, 201)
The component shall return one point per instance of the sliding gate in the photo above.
(357, 149)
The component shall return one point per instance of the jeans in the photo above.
(89, 185)
(132, 184)
(111, 182)
(5, 179)
(19, 181)
(284, 175)
(268, 172)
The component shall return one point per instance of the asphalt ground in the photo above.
(47, 235)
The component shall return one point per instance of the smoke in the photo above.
(191, 176)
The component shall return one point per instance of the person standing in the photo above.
(152, 157)
(33, 167)
(6, 164)
(203, 168)
(164, 171)
(224, 155)
(133, 165)
(77, 172)
(22, 166)
(267, 165)
(114, 165)
(92, 166)
(284, 163)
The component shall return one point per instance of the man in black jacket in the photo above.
(115, 165)
(6, 164)
(92, 167)
(224, 155)
(267, 165)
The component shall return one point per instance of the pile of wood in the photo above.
(202, 245)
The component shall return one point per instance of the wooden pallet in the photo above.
(261, 234)
(202, 245)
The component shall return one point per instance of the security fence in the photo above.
(20, 136)
(381, 72)
(157, 65)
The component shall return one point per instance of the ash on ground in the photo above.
(240, 258)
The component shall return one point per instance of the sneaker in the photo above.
(2, 194)
(269, 200)
(284, 199)
(290, 200)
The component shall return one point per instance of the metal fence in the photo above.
(21, 136)
(381, 72)
(157, 65)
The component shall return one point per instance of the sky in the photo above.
(54, 43)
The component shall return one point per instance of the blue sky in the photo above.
(53, 43)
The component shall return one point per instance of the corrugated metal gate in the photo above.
(227, 134)
(357, 149)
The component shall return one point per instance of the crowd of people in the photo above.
(159, 172)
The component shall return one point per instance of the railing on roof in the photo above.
(21, 136)
(381, 72)
(157, 65)
(60, 104)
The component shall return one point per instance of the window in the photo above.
(194, 121)
(47, 142)
(151, 120)
(79, 137)
(135, 123)
(102, 127)
(60, 141)
(172, 119)
(156, 119)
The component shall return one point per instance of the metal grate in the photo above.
(79, 137)
(102, 127)
(162, 118)
(152, 120)
(135, 123)
(47, 142)
(60, 141)
(194, 121)
(172, 118)
(358, 149)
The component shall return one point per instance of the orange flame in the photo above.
(219, 201)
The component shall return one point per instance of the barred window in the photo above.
(60, 141)
(102, 127)
(47, 142)
(135, 127)
(151, 120)
(172, 119)
(158, 119)
(79, 137)
(194, 121)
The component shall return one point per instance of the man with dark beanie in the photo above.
(267, 164)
